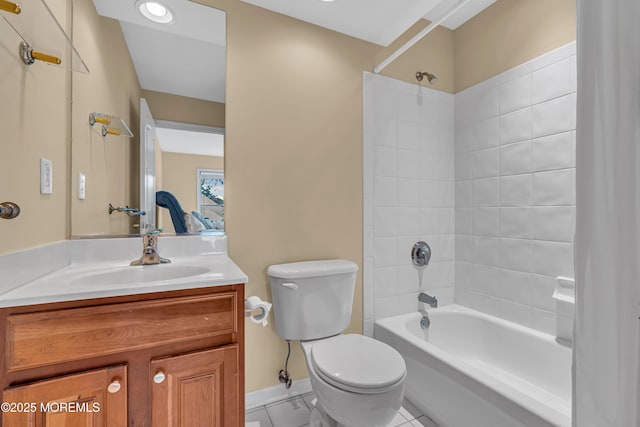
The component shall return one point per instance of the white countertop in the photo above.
(192, 266)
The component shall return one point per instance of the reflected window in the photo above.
(211, 197)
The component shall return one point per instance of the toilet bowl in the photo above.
(358, 381)
(367, 394)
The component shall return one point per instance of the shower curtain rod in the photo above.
(420, 35)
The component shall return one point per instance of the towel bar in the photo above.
(129, 211)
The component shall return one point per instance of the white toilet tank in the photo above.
(312, 299)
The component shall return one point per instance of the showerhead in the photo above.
(430, 77)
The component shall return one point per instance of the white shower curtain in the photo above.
(607, 329)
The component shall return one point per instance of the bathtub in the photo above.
(472, 369)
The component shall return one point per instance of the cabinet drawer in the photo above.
(45, 338)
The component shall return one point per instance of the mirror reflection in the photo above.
(189, 171)
(173, 167)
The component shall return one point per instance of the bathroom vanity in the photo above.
(150, 352)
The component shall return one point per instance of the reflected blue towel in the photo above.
(164, 199)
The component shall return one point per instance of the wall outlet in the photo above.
(46, 176)
(82, 182)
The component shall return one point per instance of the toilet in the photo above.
(358, 381)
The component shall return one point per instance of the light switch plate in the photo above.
(82, 186)
(46, 176)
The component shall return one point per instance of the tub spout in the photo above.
(425, 322)
(428, 299)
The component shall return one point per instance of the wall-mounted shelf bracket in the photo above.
(29, 56)
(39, 31)
(10, 7)
(111, 125)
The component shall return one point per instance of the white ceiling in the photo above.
(468, 11)
(190, 142)
(178, 65)
(186, 57)
(376, 21)
(170, 58)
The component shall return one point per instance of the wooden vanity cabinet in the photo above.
(195, 389)
(173, 359)
(96, 398)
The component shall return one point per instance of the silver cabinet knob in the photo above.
(114, 387)
(159, 377)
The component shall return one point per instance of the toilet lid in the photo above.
(356, 361)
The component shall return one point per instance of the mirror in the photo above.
(167, 82)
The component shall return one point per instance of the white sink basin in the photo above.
(99, 268)
(139, 274)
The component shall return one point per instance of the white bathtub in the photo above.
(478, 370)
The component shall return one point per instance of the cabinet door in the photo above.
(196, 389)
(89, 399)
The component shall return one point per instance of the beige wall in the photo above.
(109, 163)
(433, 53)
(179, 177)
(183, 109)
(293, 158)
(34, 114)
(509, 33)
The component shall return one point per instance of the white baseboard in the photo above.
(275, 393)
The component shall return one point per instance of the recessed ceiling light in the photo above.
(328, 0)
(155, 11)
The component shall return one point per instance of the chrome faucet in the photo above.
(150, 250)
(428, 299)
(425, 322)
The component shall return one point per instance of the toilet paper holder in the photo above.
(253, 312)
(257, 310)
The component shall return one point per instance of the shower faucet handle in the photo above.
(421, 254)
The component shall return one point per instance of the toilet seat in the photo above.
(358, 364)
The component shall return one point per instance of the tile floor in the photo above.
(294, 412)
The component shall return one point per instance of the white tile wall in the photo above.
(515, 158)
(515, 126)
(409, 193)
(554, 151)
(515, 94)
(485, 134)
(554, 116)
(490, 184)
(485, 192)
(515, 210)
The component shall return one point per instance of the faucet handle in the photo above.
(421, 254)
(152, 236)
